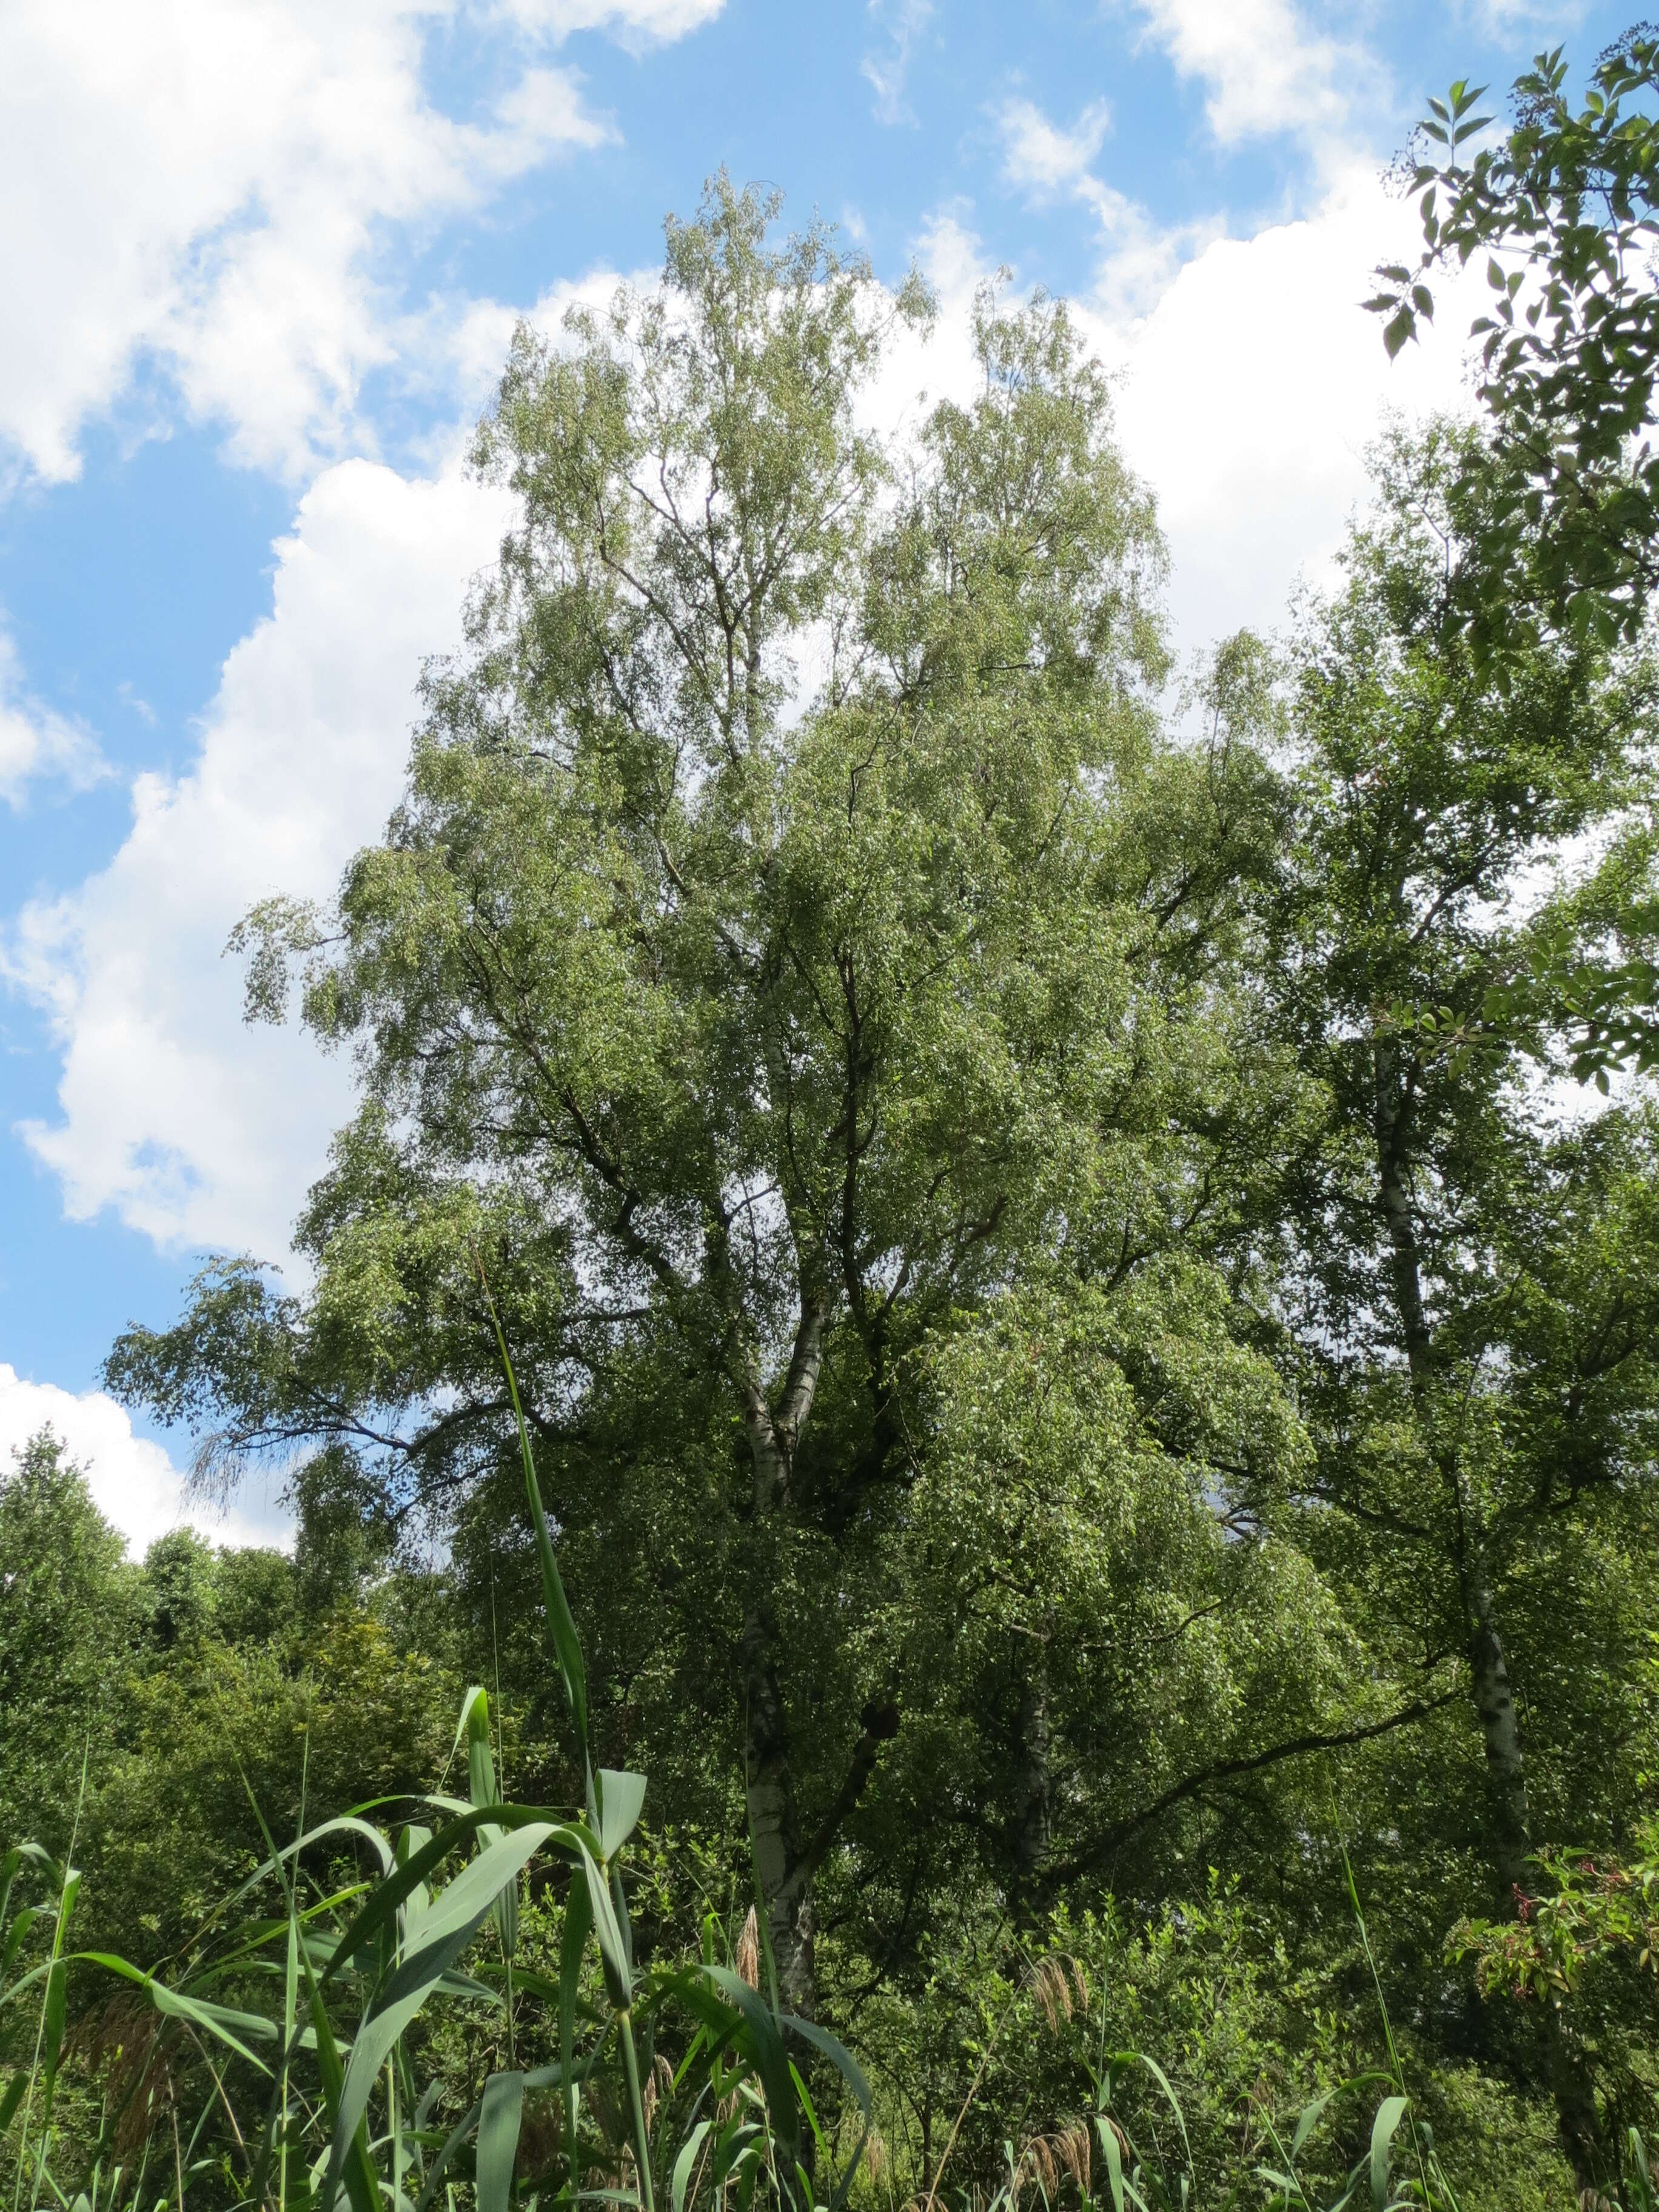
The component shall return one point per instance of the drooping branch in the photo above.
(1232, 1769)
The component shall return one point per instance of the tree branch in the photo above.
(881, 1724)
(1226, 1770)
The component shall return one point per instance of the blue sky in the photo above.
(265, 256)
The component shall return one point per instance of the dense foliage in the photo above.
(1093, 1370)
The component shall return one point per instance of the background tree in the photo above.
(1064, 1343)
(1476, 1492)
(70, 1608)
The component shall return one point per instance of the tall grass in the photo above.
(315, 2000)
(315, 2020)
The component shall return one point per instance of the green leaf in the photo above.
(1390, 2113)
(613, 1948)
(1140, 2058)
(16, 1934)
(573, 1944)
(227, 2027)
(361, 2186)
(847, 2067)
(12, 2097)
(450, 1922)
(620, 1797)
(567, 1645)
(681, 2175)
(1113, 2158)
(380, 1909)
(52, 2018)
(1308, 2120)
(771, 2060)
(483, 1790)
(501, 2110)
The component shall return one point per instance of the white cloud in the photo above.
(634, 23)
(133, 1482)
(38, 745)
(210, 183)
(917, 371)
(1248, 386)
(195, 1130)
(1265, 69)
(1252, 389)
(887, 69)
(191, 1127)
(1048, 162)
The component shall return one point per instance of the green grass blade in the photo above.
(12, 2097)
(683, 2164)
(620, 1798)
(1113, 2158)
(561, 1626)
(482, 1789)
(613, 1948)
(452, 1920)
(847, 2067)
(362, 2185)
(382, 1906)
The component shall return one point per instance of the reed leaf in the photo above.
(501, 2109)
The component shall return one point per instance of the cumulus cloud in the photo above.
(38, 745)
(133, 1484)
(212, 184)
(190, 1126)
(194, 1129)
(1264, 70)
(1048, 159)
(1251, 383)
(1252, 389)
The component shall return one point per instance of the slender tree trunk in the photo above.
(1489, 1679)
(1508, 1820)
(1034, 1820)
(786, 1884)
(1400, 1215)
(1506, 1778)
